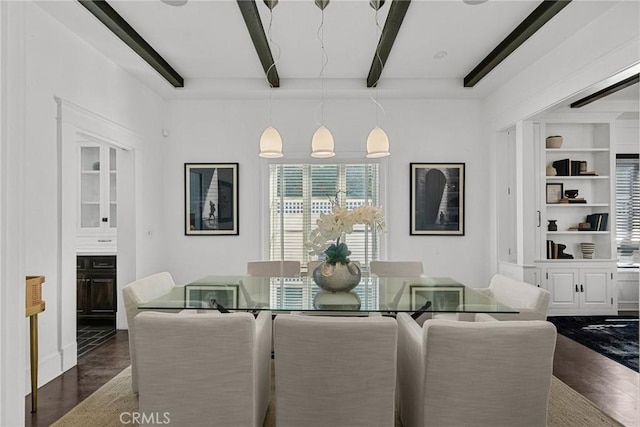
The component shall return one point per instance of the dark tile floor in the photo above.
(609, 385)
(91, 336)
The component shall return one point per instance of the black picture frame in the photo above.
(211, 199)
(442, 298)
(437, 199)
(211, 296)
(555, 192)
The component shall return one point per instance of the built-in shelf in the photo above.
(577, 205)
(568, 261)
(577, 150)
(577, 286)
(579, 178)
(577, 232)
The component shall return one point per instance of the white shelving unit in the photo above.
(97, 198)
(579, 285)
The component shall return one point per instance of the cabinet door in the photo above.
(81, 295)
(594, 288)
(102, 295)
(563, 286)
(98, 189)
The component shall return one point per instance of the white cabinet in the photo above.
(97, 198)
(580, 283)
(628, 289)
(585, 290)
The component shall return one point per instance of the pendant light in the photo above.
(322, 140)
(377, 141)
(271, 141)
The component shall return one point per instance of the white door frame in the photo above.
(12, 273)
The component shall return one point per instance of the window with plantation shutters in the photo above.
(299, 193)
(627, 207)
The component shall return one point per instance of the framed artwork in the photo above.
(437, 199)
(442, 298)
(211, 296)
(211, 199)
(555, 192)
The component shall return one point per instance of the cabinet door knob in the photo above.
(105, 219)
(577, 288)
(581, 288)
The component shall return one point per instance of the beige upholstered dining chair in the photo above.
(311, 265)
(396, 268)
(531, 302)
(399, 269)
(335, 371)
(273, 268)
(487, 373)
(138, 292)
(205, 369)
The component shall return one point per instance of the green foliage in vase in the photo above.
(337, 254)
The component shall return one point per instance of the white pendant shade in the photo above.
(271, 144)
(377, 143)
(322, 143)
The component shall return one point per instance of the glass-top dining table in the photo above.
(293, 294)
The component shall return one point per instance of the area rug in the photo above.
(613, 336)
(112, 404)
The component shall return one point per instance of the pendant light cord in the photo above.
(275, 61)
(325, 61)
(378, 105)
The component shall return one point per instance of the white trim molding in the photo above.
(12, 272)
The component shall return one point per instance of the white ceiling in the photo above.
(207, 42)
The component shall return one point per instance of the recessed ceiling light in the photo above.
(474, 2)
(439, 55)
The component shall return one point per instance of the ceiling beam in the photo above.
(121, 28)
(256, 31)
(630, 81)
(397, 11)
(532, 23)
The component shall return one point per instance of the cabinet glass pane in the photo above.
(90, 158)
(113, 215)
(90, 187)
(113, 195)
(112, 159)
(90, 215)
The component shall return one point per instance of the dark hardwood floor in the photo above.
(93, 370)
(608, 384)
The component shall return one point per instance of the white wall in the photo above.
(59, 64)
(419, 131)
(627, 136)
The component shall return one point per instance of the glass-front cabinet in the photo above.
(97, 207)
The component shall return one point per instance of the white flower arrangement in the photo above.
(330, 228)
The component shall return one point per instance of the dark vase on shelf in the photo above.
(552, 225)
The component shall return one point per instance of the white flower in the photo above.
(330, 227)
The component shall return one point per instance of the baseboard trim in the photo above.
(69, 356)
(48, 369)
(628, 306)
